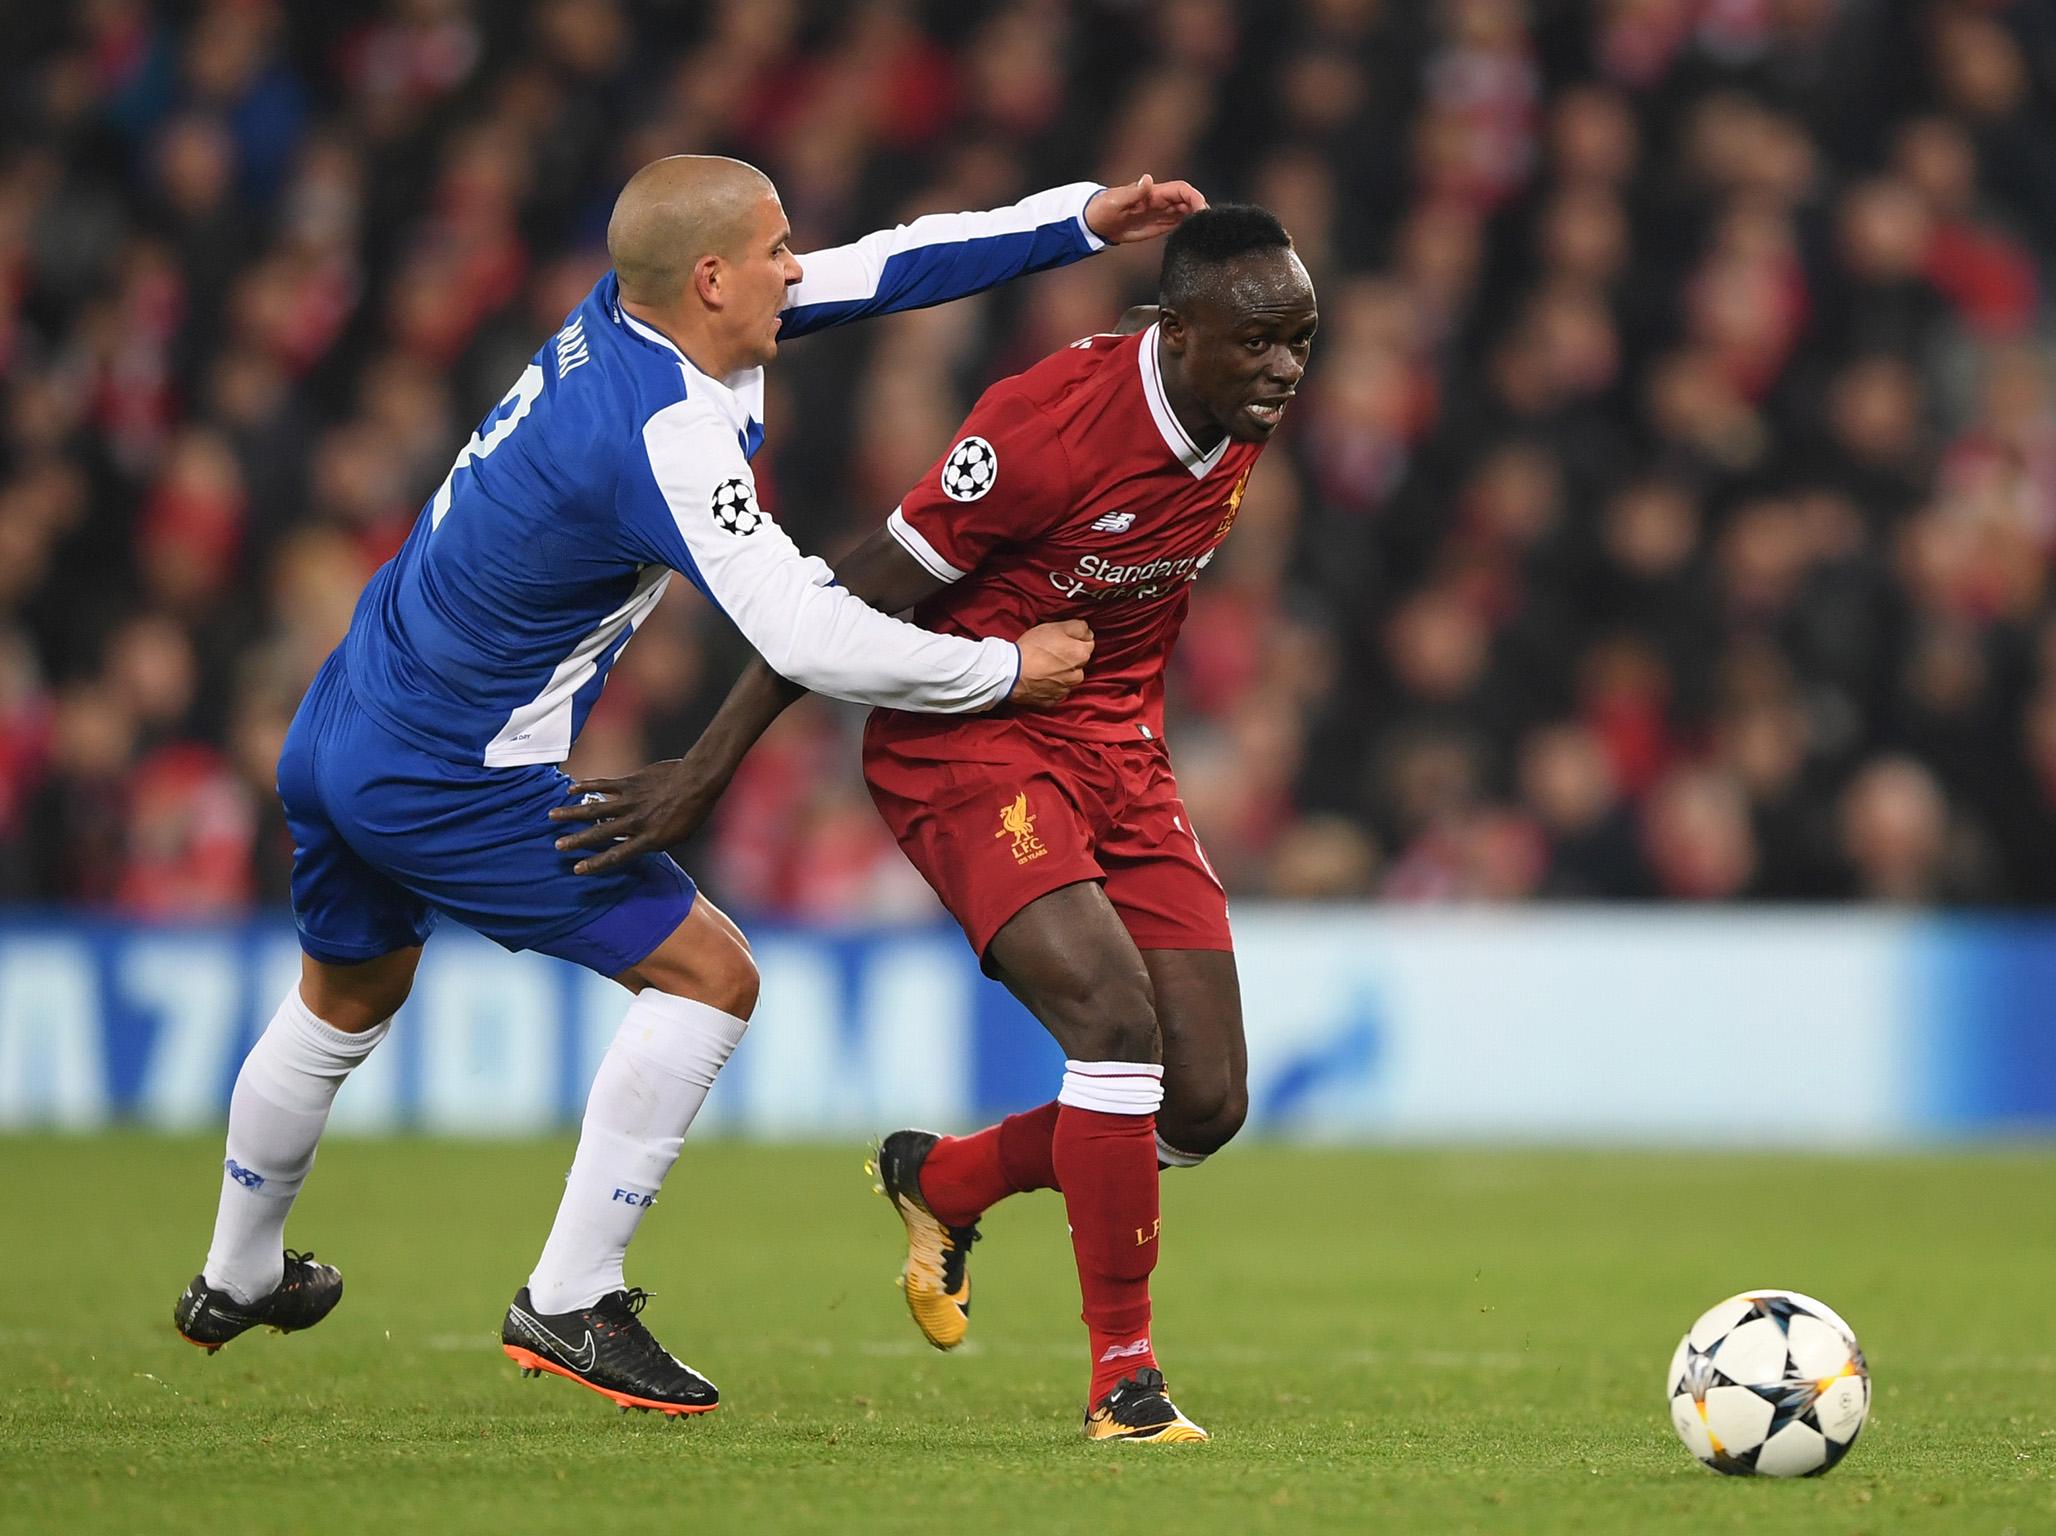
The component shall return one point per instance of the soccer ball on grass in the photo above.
(1769, 1383)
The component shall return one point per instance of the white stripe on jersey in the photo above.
(540, 730)
(909, 538)
(1176, 438)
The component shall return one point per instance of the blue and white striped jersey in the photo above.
(613, 462)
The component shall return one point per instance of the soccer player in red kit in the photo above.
(1093, 488)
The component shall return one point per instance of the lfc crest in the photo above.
(1234, 506)
(1017, 822)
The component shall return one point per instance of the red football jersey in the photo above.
(1072, 492)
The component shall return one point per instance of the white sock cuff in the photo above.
(339, 1045)
(677, 1035)
(1171, 1157)
(1113, 1087)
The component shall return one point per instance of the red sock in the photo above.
(965, 1176)
(1106, 1162)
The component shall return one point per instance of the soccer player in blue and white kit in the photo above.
(420, 771)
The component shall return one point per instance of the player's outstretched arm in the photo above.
(662, 805)
(945, 256)
(689, 501)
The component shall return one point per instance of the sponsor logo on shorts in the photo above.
(1017, 822)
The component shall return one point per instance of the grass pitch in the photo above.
(1432, 1342)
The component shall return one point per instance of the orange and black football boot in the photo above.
(606, 1349)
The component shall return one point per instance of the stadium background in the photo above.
(1663, 533)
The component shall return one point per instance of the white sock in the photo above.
(651, 1083)
(1170, 1157)
(281, 1102)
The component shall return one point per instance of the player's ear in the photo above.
(1171, 327)
(709, 280)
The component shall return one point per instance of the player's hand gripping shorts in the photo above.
(996, 815)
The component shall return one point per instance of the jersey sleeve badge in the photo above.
(970, 470)
(735, 506)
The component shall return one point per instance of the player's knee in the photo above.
(1115, 1022)
(1098, 1012)
(354, 998)
(706, 960)
(732, 981)
(1213, 1123)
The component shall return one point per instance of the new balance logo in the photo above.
(571, 348)
(1115, 522)
(630, 1197)
(1125, 1351)
(243, 1176)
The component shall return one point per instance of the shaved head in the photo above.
(675, 211)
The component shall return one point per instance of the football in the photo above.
(1769, 1383)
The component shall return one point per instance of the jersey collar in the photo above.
(1167, 424)
(739, 398)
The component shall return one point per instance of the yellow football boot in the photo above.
(934, 1278)
(1139, 1410)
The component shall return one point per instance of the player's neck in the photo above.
(1204, 431)
(695, 340)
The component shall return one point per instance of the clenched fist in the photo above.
(1053, 658)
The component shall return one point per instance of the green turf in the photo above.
(1431, 1342)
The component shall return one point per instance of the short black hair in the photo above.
(1197, 249)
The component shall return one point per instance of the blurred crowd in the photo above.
(1667, 514)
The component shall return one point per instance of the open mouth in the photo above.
(1268, 413)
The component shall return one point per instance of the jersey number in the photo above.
(492, 432)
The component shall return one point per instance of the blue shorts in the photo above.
(387, 836)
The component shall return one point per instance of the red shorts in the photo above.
(995, 815)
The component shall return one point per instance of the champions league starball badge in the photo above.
(735, 507)
(969, 470)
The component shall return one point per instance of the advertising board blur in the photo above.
(1657, 1027)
